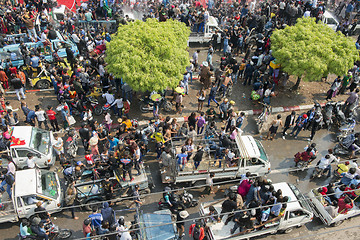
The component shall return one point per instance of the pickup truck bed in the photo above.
(317, 203)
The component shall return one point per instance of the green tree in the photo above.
(310, 50)
(149, 55)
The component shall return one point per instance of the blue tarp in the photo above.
(164, 232)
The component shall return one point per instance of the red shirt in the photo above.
(51, 114)
(344, 207)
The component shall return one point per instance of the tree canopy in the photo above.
(311, 50)
(149, 55)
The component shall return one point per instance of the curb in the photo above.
(282, 109)
(31, 90)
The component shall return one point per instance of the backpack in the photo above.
(196, 232)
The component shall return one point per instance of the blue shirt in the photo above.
(96, 219)
(181, 158)
(113, 143)
(276, 209)
(31, 116)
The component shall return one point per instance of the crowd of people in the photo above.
(82, 84)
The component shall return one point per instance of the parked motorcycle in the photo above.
(339, 114)
(71, 143)
(342, 148)
(94, 105)
(328, 113)
(346, 129)
(147, 104)
(54, 232)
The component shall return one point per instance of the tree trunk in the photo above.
(297, 84)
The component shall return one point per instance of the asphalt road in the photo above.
(280, 152)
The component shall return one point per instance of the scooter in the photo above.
(71, 143)
(54, 232)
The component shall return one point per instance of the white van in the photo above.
(31, 186)
(297, 213)
(28, 139)
(209, 29)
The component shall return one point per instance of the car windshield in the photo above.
(49, 184)
(262, 151)
(40, 140)
(302, 201)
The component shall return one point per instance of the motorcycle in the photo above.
(346, 129)
(75, 106)
(300, 163)
(147, 105)
(318, 173)
(318, 111)
(328, 113)
(180, 202)
(54, 232)
(71, 143)
(339, 114)
(94, 105)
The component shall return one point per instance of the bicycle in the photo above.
(263, 116)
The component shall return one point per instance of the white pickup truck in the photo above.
(27, 139)
(251, 154)
(209, 29)
(31, 186)
(297, 213)
(317, 203)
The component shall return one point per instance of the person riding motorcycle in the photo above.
(307, 156)
(37, 228)
(324, 165)
(349, 143)
(171, 199)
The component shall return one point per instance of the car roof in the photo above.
(247, 146)
(26, 182)
(23, 134)
(292, 205)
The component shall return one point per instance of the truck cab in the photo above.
(28, 139)
(297, 213)
(31, 186)
(209, 29)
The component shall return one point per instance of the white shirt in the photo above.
(75, 38)
(11, 168)
(307, 14)
(101, 70)
(119, 103)
(282, 5)
(30, 163)
(137, 154)
(43, 37)
(109, 98)
(40, 115)
(58, 142)
(108, 118)
(324, 162)
(209, 181)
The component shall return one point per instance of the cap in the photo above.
(226, 100)
(304, 116)
(65, 107)
(184, 214)
(46, 31)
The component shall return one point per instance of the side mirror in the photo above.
(38, 155)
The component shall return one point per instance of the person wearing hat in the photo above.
(300, 124)
(180, 224)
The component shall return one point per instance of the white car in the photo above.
(330, 20)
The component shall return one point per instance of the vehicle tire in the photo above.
(167, 106)
(143, 108)
(98, 110)
(336, 224)
(91, 203)
(64, 234)
(42, 84)
(288, 230)
(146, 191)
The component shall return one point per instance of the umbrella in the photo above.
(156, 97)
